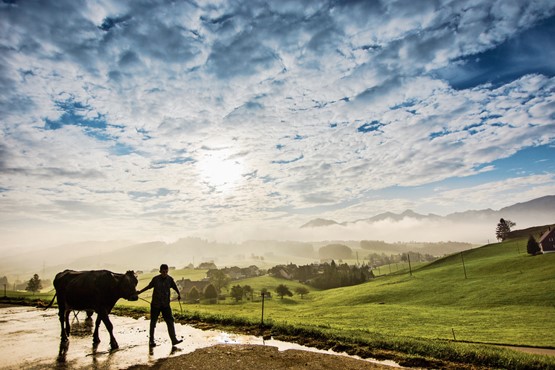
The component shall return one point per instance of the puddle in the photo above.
(31, 340)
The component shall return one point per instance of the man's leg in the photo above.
(168, 318)
(154, 313)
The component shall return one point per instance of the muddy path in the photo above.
(30, 340)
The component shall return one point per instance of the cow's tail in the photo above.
(52, 301)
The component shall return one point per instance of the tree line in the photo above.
(324, 275)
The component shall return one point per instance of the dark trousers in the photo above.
(168, 318)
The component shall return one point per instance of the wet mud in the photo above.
(31, 340)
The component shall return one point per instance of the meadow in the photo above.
(458, 308)
(504, 298)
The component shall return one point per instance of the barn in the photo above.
(547, 241)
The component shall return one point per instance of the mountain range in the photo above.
(543, 209)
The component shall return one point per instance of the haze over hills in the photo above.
(536, 210)
(399, 233)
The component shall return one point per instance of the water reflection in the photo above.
(30, 348)
(62, 353)
(82, 328)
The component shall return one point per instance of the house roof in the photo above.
(546, 234)
(186, 285)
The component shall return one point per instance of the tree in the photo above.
(194, 294)
(503, 229)
(218, 278)
(533, 247)
(247, 290)
(237, 292)
(302, 291)
(283, 290)
(210, 292)
(34, 284)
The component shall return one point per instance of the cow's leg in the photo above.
(61, 313)
(96, 338)
(110, 328)
(66, 317)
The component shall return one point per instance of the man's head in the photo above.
(164, 269)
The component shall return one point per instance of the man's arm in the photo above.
(174, 287)
(149, 286)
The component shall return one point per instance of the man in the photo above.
(161, 303)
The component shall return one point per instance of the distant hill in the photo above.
(541, 208)
(535, 231)
(398, 217)
(319, 222)
(539, 205)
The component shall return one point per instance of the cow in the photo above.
(92, 290)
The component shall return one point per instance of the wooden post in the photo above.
(410, 267)
(464, 267)
(262, 319)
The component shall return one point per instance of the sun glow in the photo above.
(220, 170)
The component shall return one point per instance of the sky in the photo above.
(236, 120)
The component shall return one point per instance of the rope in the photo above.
(142, 299)
(171, 300)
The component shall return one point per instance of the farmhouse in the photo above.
(547, 241)
(185, 286)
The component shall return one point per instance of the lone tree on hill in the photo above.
(283, 290)
(533, 247)
(503, 229)
(34, 284)
(302, 291)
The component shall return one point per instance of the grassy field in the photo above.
(500, 295)
(507, 297)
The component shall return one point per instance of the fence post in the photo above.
(262, 319)
(464, 267)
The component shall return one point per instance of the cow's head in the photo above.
(128, 286)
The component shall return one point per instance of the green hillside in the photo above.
(506, 298)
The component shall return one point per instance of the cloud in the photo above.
(319, 107)
(522, 54)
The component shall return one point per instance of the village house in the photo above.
(185, 286)
(547, 241)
